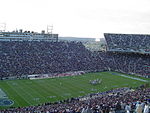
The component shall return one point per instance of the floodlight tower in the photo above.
(49, 32)
(49, 29)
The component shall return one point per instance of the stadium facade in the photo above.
(27, 36)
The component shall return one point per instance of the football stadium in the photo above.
(52, 76)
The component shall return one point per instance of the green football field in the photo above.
(34, 92)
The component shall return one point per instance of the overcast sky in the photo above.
(77, 18)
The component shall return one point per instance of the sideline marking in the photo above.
(129, 77)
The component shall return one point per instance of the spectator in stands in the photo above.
(138, 107)
(127, 108)
(146, 108)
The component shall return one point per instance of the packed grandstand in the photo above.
(125, 53)
(128, 43)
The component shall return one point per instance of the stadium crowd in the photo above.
(121, 100)
(127, 63)
(19, 58)
(128, 42)
(27, 58)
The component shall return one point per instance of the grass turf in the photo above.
(34, 92)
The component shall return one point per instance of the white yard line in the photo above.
(130, 77)
(18, 94)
